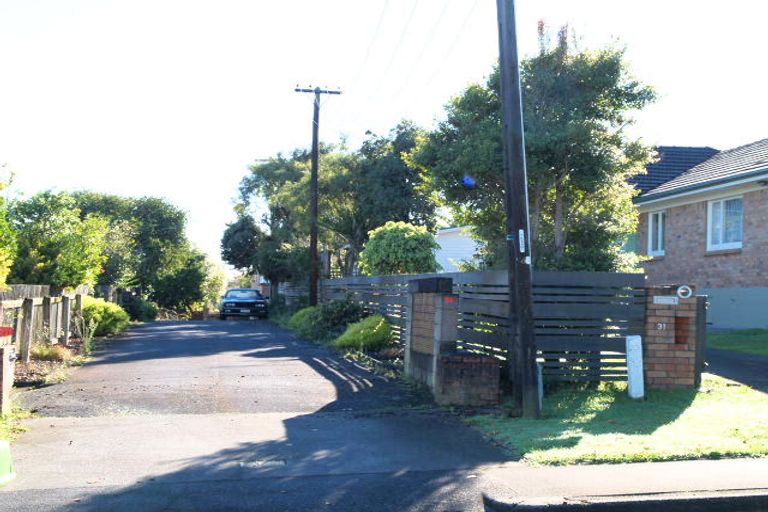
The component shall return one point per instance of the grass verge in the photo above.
(10, 424)
(603, 425)
(749, 341)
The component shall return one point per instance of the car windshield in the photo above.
(242, 294)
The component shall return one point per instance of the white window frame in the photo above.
(653, 220)
(710, 223)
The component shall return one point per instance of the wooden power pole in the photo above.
(522, 355)
(313, 192)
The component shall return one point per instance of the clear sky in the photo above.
(174, 98)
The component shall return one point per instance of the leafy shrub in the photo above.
(139, 309)
(399, 248)
(51, 353)
(326, 321)
(305, 322)
(334, 316)
(107, 317)
(367, 335)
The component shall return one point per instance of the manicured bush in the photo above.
(139, 309)
(107, 317)
(399, 248)
(368, 335)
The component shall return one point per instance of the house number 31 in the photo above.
(661, 326)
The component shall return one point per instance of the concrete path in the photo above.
(239, 415)
(748, 369)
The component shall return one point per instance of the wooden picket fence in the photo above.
(581, 319)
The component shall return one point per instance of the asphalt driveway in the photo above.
(749, 369)
(239, 415)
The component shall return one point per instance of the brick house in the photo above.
(704, 221)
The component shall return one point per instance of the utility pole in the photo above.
(313, 192)
(522, 355)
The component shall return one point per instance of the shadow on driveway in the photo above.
(374, 448)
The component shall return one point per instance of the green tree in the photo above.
(214, 285)
(389, 189)
(240, 243)
(399, 248)
(146, 235)
(160, 240)
(359, 191)
(56, 245)
(182, 286)
(8, 245)
(281, 262)
(577, 105)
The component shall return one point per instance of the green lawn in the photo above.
(750, 341)
(722, 419)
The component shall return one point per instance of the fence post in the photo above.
(56, 321)
(701, 337)
(66, 318)
(28, 313)
(79, 304)
(7, 358)
(48, 325)
(18, 326)
(636, 382)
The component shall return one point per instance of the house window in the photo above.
(657, 226)
(725, 219)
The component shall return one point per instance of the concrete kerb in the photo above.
(743, 500)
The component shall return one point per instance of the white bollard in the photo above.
(635, 378)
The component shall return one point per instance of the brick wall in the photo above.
(467, 379)
(672, 349)
(686, 258)
(423, 323)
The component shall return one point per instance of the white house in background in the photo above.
(456, 245)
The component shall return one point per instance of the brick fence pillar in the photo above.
(430, 327)
(675, 338)
(430, 348)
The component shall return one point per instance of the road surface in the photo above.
(239, 415)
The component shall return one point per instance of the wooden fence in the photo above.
(38, 320)
(581, 319)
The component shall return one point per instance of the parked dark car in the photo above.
(245, 302)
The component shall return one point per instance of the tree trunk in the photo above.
(535, 221)
(273, 285)
(559, 227)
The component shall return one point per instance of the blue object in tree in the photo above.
(469, 181)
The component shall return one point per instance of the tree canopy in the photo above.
(56, 245)
(8, 245)
(359, 191)
(577, 105)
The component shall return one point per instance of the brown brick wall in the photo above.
(468, 380)
(686, 259)
(670, 342)
(423, 323)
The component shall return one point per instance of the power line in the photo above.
(423, 51)
(401, 39)
(367, 56)
(447, 54)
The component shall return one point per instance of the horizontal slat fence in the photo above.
(581, 319)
